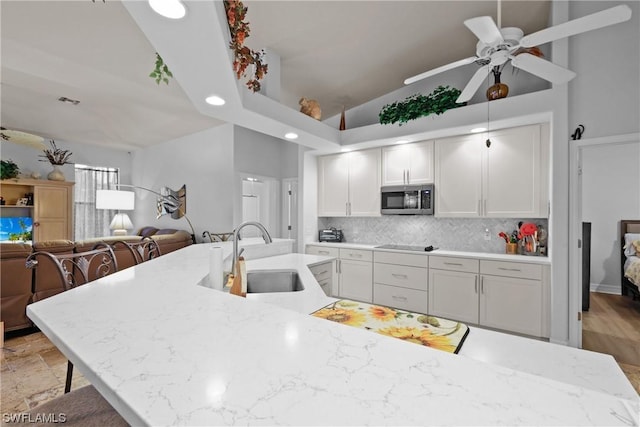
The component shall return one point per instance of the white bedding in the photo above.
(632, 270)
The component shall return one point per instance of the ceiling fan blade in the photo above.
(542, 68)
(474, 84)
(23, 138)
(485, 29)
(438, 70)
(594, 21)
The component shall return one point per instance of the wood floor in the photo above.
(612, 326)
(33, 370)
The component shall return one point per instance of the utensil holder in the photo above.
(512, 248)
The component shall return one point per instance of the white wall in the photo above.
(610, 177)
(28, 161)
(605, 95)
(204, 162)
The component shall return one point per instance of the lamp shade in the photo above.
(120, 224)
(115, 199)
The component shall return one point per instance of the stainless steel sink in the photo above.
(273, 281)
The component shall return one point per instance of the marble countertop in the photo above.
(165, 351)
(443, 252)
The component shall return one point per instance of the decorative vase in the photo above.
(56, 174)
(343, 124)
(498, 90)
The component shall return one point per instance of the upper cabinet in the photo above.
(508, 179)
(349, 184)
(408, 164)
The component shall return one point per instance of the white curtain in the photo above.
(89, 221)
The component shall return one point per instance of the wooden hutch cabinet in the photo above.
(51, 211)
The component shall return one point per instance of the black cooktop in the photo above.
(407, 248)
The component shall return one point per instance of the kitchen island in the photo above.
(164, 350)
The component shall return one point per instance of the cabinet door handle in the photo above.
(399, 276)
(476, 285)
(346, 208)
(453, 263)
(485, 207)
(322, 272)
(324, 252)
(408, 176)
(349, 208)
(482, 285)
(479, 207)
(508, 269)
(355, 255)
(399, 298)
(36, 224)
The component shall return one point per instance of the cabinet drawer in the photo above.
(454, 264)
(356, 254)
(325, 285)
(323, 250)
(400, 275)
(413, 260)
(511, 269)
(402, 298)
(321, 271)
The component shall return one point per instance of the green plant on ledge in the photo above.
(8, 169)
(161, 71)
(443, 98)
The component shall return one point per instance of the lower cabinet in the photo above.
(496, 294)
(400, 281)
(353, 271)
(323, 274)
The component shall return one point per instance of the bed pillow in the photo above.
(636, 246)
(629, 238)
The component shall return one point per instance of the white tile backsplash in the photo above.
(456, 234)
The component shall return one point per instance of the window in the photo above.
(89, 221)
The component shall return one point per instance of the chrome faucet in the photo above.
(236, 238)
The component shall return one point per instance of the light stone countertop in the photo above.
(165, 351)
(441, 252)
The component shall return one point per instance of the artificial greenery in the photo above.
(55, 155)
(161, 72)
(8, 169)
(443, 98)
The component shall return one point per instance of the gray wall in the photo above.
(204, 162)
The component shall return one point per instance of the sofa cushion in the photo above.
(147, 231)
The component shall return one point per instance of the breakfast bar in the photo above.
(165, 349)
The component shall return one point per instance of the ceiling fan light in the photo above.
(478, 130)
(291, 135)
(172, 9)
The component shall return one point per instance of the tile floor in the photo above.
(32, 371)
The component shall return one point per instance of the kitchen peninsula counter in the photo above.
(164, 350)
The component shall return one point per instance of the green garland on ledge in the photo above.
(443, 98)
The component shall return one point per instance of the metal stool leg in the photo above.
(67, 384)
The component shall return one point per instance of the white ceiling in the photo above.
(340, 53)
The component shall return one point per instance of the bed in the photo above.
(630, 257)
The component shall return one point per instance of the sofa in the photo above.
(22, 286)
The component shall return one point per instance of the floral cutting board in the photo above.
(430, 331)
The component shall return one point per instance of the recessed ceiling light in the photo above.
(215, 100)
(478, 130)
(402, 141)
(346, 150)
(172, 9)
(291, 135)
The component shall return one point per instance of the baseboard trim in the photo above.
(605, 288)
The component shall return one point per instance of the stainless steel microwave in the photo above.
(407, 200)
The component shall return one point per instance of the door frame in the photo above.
(575, 226)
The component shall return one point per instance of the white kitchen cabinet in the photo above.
(400, 281)
(509, 179)
(353, 270)
(408, 164)
(323, 273)
(349, 184)
(497, 294)
(453, 288)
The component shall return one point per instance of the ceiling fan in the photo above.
(496, 46)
